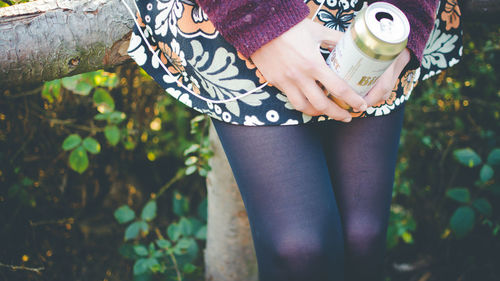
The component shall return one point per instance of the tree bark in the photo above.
(46, 39)
(230, 254)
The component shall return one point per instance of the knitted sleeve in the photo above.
(421, 16)
(249, 24)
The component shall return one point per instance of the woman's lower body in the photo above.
(317, 195)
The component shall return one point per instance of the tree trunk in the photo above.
(230, 254)
(48, 39)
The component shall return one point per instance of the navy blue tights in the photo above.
(317, 195)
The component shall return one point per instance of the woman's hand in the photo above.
(382, 89)
(293, 63)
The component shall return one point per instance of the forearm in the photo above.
(249, 24)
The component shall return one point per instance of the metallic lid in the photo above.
(381, 31)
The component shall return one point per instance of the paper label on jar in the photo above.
(353, 66)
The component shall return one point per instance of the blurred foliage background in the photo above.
(102, 177)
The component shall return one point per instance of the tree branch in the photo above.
(22, 267)
(46, 39)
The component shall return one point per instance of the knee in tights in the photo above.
(362, 241)
(303, 255)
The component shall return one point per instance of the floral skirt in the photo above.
(205, 70)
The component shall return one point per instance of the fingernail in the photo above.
(363, 107)
(348, 119)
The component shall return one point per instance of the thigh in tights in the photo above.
(317, 195)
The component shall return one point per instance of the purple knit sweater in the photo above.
(249, 24)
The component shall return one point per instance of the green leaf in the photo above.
(78, 160)
(153, 264)
(27, 182)
(486, 173)
(483, 206)
(127, 250)
(407, 237)
(91, 145)
(56, 88)
(89, 77)
(15, 190)
(191, 160)
(71, 142)
(462, 221)
(181, 247)
(190, 170)
(135, 228)
(188, 268)
(467, 157)
(102, 116)
(70, 82)
(112, 134)
(173, 231)
(103, 99)
(51, 90)
(159, 254)
(83, 88)
(459, 194)
(124, 214)
(141, 266)
(180, 204)
(129, 143)
(191, 149)
(201, 233)
(112, 81)
(116, 117)
(188, 245)
(427, 141)
(46, 93)
(202, 172)
(151, 247)
(149, 211)
(494, 157)
(185, 226)
(164, 244)
(141, 250)
(196, 224)
(106, 79)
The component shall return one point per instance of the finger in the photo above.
(382, 88)
(323, 104)
(327, 35)
(377, 94)
(299, 101)
(339, 88)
